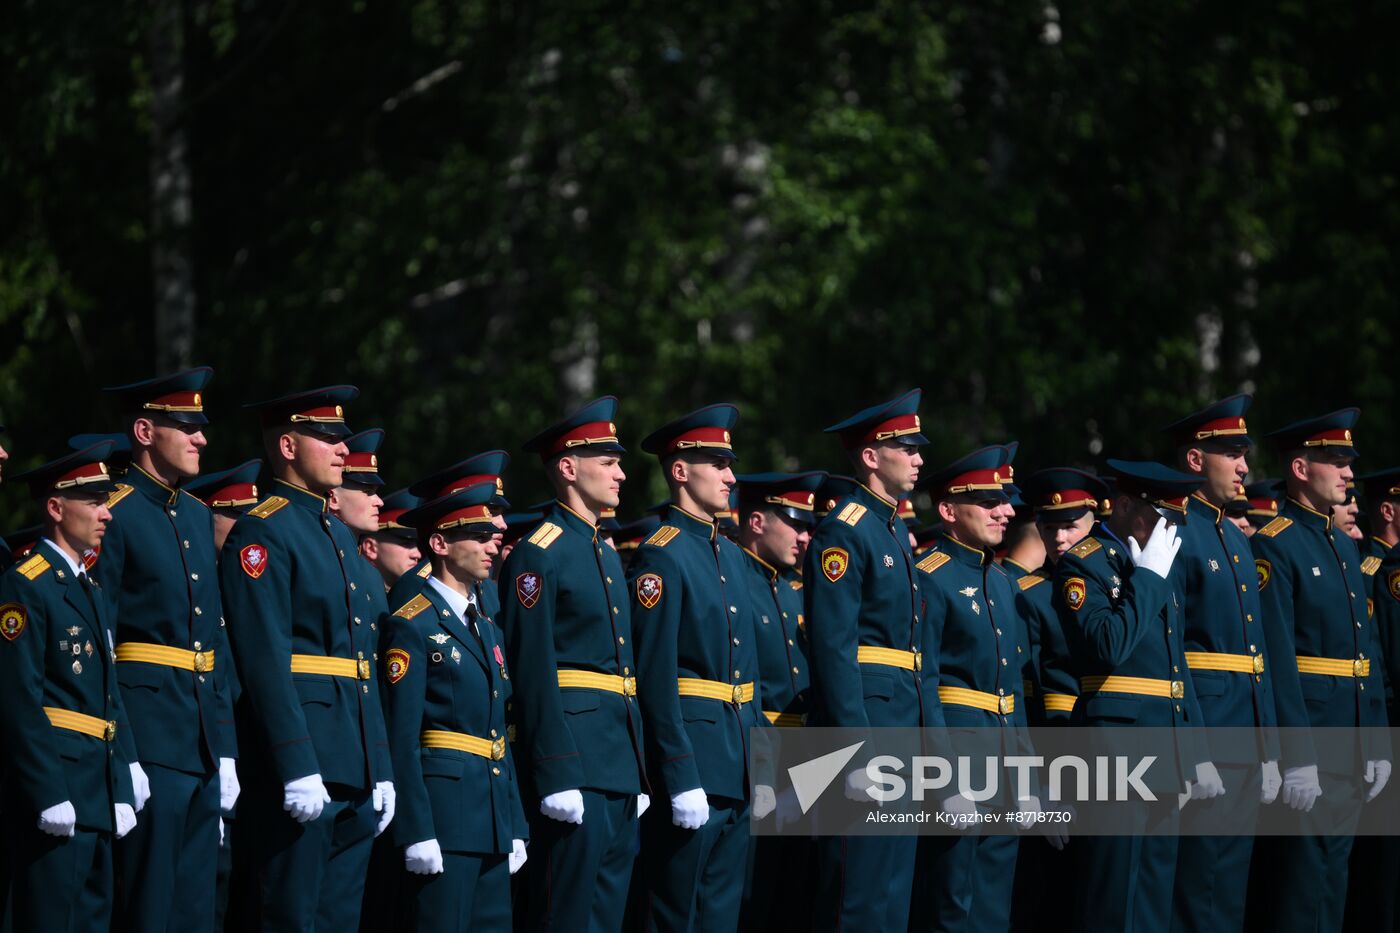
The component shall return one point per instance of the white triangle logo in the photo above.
(811, 778)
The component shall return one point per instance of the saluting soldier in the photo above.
(228, 494)
(446, 684)
(776, 515)
(69, 783)
(1313, 595)
(305, 713)
(567, 624)
(158, 565)
(486, 467)
(1229, 665)
(1119, 602)
(976, 654)
(864, 634)
(393, 547)
(697, 664)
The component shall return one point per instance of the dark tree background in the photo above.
(1068, 222)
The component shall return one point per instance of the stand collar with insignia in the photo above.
(1197, 505)
(564, 515)
(151, 487)
(300, 495)
(963, 553)
(875, 503)
(682, 519)
(768, 569)
(1305, 516)
(52, 545)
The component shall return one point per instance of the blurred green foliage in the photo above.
(1069, 223)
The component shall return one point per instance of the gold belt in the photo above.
(1336, 667)
(1216, 661)
(785, 720)
(333, 667)
(962, 696)
(1060, 702)
(199, 661)
(494, 749)
(1143, 686)
(737, 694)
(627, 686)
(890, 657)
(104, 729)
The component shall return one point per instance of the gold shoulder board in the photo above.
(543, 536)
(852, 513)
(663, 535)
(35, 567)
(118, 494)
(1273, 528)
(1030, 580)
(425, 571)
(266, 507)
(1370, 565)
(414, 606)
(1086, 547)
(933, 561)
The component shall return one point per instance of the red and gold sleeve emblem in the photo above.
(1265, 571)
(649, 587)
(396, 664)
(1074, 590)
(835, 560)
(13, 619)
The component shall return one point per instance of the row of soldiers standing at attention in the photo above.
(332, 688)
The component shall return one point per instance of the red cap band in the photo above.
(1068, 499)
(595, 432)
(81, 476)
(457, 485)
(325, 414)
(177, 401)
(884, 431)
(1220, 427)
(367, 462)
(237, 494)
(471, 515)
(978, 481)
(1338, 437)
(700, 438)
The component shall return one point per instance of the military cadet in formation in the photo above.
(975, 649)
(1119, 601)
(567, 623)
(776, 515)
(488, 467)
(1375, 860)
(697, 664)
(306, 739)
(864, 633)
(446, 685)
(69, 788)
(1263, 496)
(392, 548)
(1230, 668)
(1321, 644)
(228, 494)
(158, 566)
(518, 524)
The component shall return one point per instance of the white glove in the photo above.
(228, 784)
(1208, 783)
(140, 785)
(643, 801)
(125, 817)
(690, 809)
(1269, 782)
(1301, 788)
(958, 805)
(764, 801)
(1377, 773)
(858, 785)
(517, 855)
(566, 806)
(59, 819)
(423, 858)
(1160, 551)
(305, 798)
(384, 798)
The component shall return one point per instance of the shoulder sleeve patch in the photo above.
(1370, 565)
(396, 664)
(543, 536)
(425, 571)
(13, 618)
(1030, 580)
(852, 513)
(414, 606)
(121, 492)
(1073, 592)
(1392, 584)
(932, 561)
(1273, 528)
(35, 567)
(649, 588)
(1086, 547)
(663, 535)
(1265, 571)
(266, 507)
